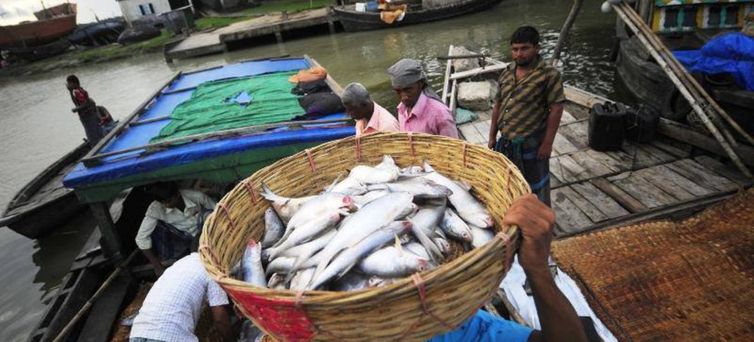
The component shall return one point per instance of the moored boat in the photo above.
(53, 23)
(43, 203)
(683, 26)
(353, 20)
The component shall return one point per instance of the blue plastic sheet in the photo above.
(136, 162)
(731, 53)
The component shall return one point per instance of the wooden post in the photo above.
(111, 240)
(564, 30)
(279, 36)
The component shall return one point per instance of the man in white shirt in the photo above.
(173, 305)
(172, 223)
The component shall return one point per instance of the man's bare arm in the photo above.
(553, 122)
(558, 318)
(222, 322)
(493, 125)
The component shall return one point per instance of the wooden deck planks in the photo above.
(568, 216)
(683, 182)
(586, 207)
(665, 182)
(616, 193)
(571, 133)
(647, 193)
(567, 118)
(601, 200)
(471, 134)
(699, 175)
(593, 166)
(721, 169)
(562, 145)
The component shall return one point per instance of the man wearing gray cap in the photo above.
(370, 117)
(420, 109)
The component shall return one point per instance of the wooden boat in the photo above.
(53, 23)
(122, 161)
(44, 202)
(682, 25)
(353, 20)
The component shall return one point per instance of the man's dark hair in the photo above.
(162, 191)
(525, 34)
(72, 79)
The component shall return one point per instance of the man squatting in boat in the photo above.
(527, 111)
(172, 223)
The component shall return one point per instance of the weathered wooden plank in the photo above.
(559, 171)
(567, 118)
(672, 150)
(664, 182)
(697, 174)
(641, 157)
(601, 200)
(577, 171)
(562, 145)
(683, 182)
(471, 134)
(721, 169)
(627, 201)
(568, 216)
(685, 134)
(594, 167)
(554, 181)
(605, 159)
(648, 194)
(572, 135)
(624, 160)
(586, 207)
(484, 128)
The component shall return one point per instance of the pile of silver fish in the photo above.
(379, 224)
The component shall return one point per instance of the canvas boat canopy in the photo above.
(219, 124)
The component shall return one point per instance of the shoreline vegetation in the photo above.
(116, 51)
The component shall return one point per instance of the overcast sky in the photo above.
(15, 11)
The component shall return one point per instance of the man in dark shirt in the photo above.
(87, 110)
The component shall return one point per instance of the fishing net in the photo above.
(234, 103)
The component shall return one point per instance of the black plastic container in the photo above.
(641, 124)
(607, 126)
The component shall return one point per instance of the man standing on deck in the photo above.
(420, 110)
(370, 117)
(527, 111)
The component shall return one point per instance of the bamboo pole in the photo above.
(88, 305)
(623, 11)
(447, 75)
(695, 86)
(575, 9)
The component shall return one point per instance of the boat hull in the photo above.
(44, 203)
(353, 21)
(39, 32)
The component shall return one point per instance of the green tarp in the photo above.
(234, 103)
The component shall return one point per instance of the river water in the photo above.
(37, 126)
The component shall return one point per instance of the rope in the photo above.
(311, 160)
(419, 283)
(411, 143)
(252, 193)
(222, 206)
(358, 148)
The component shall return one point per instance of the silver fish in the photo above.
(305, 232)
(302, 278)
(251, 265)
(305, 250)
(324, 204)
(350, 256)
(480, 236)
(385, 172)
(392, 262)
(276, 281)
(414, 170)
(468, 208)
(454, 226)
(442, 244)
(351, 281)
(420, 187)
(280, 265)
(370, 196)
(349, 186)
(273, 228)
(360, 224)
(424, 222)
(285, 207)
(376, 281)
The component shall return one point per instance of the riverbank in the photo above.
(114, 52)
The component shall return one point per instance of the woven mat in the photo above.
(689, 280)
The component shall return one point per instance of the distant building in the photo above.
(137, 9)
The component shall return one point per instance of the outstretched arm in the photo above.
(558, 318)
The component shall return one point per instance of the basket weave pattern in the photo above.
(414, 308)
(689, 280)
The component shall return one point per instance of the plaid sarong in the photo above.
(522, 152)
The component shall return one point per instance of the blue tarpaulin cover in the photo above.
(137, 162)
(731, 53)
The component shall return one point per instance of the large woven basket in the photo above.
(415, 308)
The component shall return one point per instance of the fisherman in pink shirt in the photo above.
(370, 117)
(420, 110)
